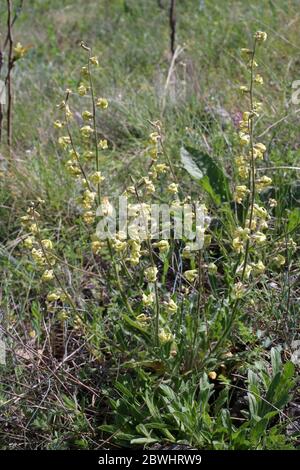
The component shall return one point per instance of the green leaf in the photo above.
(259, 429)
(107, 428)
(168, 392)
(294, 219)
(275, 360)
(151, 406)
(202, 167)
(288, 370)
(136, 326)
(143, 440)
(253, 406)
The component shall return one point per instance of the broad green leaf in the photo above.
(294, 219)
(275, 361)
(202, 167)
(288, 370)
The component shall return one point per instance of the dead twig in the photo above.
(172, 20)
(9, 73)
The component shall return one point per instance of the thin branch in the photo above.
(16, 15)
(172, 21)
(9, 77)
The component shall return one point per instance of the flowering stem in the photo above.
(252, 164)
(74, 150)
(9, 78)
(94, 122)
(251, 203)
(120, 288)
(70, 300)
(153, 265)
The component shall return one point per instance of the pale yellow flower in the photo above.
(148, 299)
(94, 60)
(150, 188)
(238, 290)
(171, 306)
(142, 318)
(154, 137)
(262, 183)
(260, 211)
(85, 71)
(260, 36)
(212, 375)
(89, 217)
(212, 268)
(47, 244)
(102, 103)
(279, 260)
(82, 89)
(247, 270)
(53, 296)
(73, 168)
(58, 124)
(103, 144)
(19, 51)
(272, 202)
(97, 177)
(244, 138)
(191, 275)
(258, 79)
(165, 336)
(28, 242)
(257, 106)
(87, 115)
(261, 147)
(119, 245)
(242, 233)
(238, 245)
(162, 245)
(38, 256)
(240, 193)
(64, 141)
(259, 238)
(246, 51)
(86, 131)
(187, 252)
(96, 246)
(151, 273)
(161, 168)
(47, 275)
(173, 188)
(33, 228)
(259, 267)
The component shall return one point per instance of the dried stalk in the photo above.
(11, 19)
(172, 20)
(9, 73)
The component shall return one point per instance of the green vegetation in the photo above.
(129, 343)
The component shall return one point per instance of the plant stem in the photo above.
(94, 123)
(172, 21)
(252, 164)
(9, 77)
